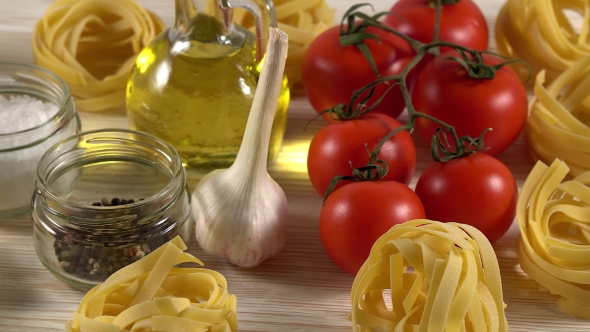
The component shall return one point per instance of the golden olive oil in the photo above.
(197, 96)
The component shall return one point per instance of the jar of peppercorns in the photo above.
(105, 199)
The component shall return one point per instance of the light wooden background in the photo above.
(301, 289)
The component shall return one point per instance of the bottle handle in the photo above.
(264, 15)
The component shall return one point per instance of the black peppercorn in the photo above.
(99, 261)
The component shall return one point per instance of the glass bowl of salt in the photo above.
(36, 111)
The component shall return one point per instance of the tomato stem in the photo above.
(353, 28)
(373, 171)
(437, 17)
(353, 32)
(435, 3)
(440, 148)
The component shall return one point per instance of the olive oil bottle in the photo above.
(194, 84)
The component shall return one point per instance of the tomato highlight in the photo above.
(445, 91)
(478, 190)
(338, 147)
(332, 72)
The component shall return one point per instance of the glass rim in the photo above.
(59, 82)
(178, 175)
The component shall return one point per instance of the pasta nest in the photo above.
(559, 118)
(554, 247)
(441, 277)
(92, 46)
(543, 34)
(154, 295)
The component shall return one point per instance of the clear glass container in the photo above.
(194, 84)
(36, 111)
(104, 199)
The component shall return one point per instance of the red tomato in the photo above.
(331, 72)
(356, 215)
(445, 91)
(478, 190)
(461, 23)
(338, 145)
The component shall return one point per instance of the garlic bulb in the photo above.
(240, 212)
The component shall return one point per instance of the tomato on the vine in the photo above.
(444, 90)
(478, 190)
(331, 72)
(356, 215)
(340, 145)
(461, 23)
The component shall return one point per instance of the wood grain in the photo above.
(299, 290)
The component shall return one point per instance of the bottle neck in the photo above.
(203, 29)
(203, 20)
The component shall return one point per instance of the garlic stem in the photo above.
(253, 153)
(240, 213)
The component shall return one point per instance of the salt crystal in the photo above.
(21, 112)
(18, 167)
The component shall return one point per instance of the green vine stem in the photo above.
(353, 32)
(433, 3)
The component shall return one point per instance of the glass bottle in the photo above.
(104, 199)
(193, 86)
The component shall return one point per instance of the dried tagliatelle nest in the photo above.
(92, 46)
(546, 34)
(302, 20)
(554, 245)
(153, 294)
(558, 126)
(441, 277)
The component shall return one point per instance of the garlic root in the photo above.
(240, 213)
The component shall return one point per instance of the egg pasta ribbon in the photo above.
(541, 33)
(554, 247)
(92, 46)
(153, 294)
(441, 277)
(559, 115)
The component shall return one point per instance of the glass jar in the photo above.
(104, 199)
(36, 111)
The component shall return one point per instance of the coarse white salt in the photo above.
(20, 153)
(21, 112)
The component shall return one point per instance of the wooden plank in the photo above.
(299, 290)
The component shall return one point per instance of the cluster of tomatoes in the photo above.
(475, 189)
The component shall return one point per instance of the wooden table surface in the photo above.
(299, 290)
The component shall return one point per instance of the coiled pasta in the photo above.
(153, 295)
(554, 245)
(540, 33)
(559, 118)
(442, 277)
(92, 46)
